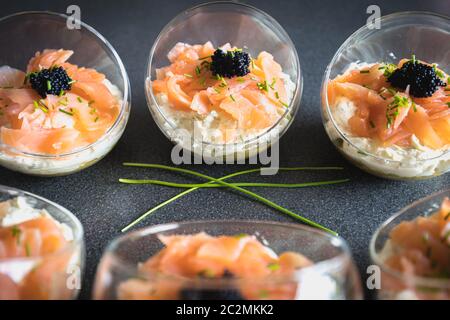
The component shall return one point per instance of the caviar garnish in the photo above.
(50, 81)
(230, 64)
(423, 80)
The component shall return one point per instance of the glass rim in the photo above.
(417, 280)
(78, 231)
(126, 94)
(340, 260)
(326, 78)
(293, 107)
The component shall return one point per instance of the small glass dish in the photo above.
(400, 36)
(55, 276)
(332, 276)
(25, 33)
(395, 284)
(242, 26)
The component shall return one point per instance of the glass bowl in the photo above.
(55, 276)
(333, 276)
(394, 284)
(244, 27)
(26, 33)
(402, 34)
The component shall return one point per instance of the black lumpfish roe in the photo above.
(50, 81)
(421, 78)
(230, 64)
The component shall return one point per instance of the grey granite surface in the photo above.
(104, 206)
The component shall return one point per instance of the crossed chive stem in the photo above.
(237, 186)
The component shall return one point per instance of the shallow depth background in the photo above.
(104, 206)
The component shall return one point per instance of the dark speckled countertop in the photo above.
(104, 206)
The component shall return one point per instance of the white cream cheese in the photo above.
(17, 210)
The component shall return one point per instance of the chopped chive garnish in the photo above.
(203, 81)
(364, 71)
(66, 112)
(447, 216)
(27, 249)
(391, 91)
(372, 124)
(448, 104)
(232, 98)
(277, 95)
(205, 64)
(284, 104)
(389, 69)
(398, 102)
(42, 106)
(414, 106)
(240, 79)
(241, 235)
(16, 232)
(49, 85)
(439, 73)
(63, 102)
(197, 70)
(188, 75)
(61, 93)
(80, 100)
(72, 82)
(413, 58)
(263, 86)
(90, 103)
(273, 266)
(273, 84)
(204, 58)
(96, 119)
(216, 90)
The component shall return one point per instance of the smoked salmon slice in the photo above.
(201, 256)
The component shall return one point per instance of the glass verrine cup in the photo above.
(332, 276)
(396, 284)
(427, 36)
(242, 26)
(53, 276)
(25, 33)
